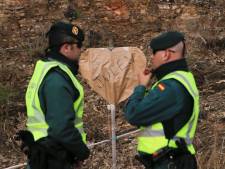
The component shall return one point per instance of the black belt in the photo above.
(166, 153)
(149, 160)
(174, 158)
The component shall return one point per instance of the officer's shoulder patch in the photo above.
(161, 86)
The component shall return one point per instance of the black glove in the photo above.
(27, 140)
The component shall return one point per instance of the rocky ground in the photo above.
(114, 23)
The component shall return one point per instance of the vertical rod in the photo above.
(113, 124)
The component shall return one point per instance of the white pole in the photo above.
(17, 166)
(112, 108)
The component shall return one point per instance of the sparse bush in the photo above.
(4, 94)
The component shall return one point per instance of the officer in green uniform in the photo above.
(167, 114)
(54, 99)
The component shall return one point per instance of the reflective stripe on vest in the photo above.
(150, 132)
(36, 123)
(152, 138)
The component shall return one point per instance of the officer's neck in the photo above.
(167, 68)
(73, 65)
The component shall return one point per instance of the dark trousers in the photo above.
(54, 164)
(186, 161)
(46, 154)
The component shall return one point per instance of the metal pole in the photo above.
(91, 145)
(112, 108)
(17, 166)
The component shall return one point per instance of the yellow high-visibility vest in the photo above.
(36, 123)
(152, 138)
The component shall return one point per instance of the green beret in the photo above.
(166, 40)
(61, 32)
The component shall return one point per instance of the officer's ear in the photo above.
(65, 49)
(66, 46)
(166, 55)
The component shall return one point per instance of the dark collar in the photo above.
(171, 67)
(72, 65)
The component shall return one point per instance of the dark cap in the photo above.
(62, 32)
(166, 40)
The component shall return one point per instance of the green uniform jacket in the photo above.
(173, 105)
(57, 95)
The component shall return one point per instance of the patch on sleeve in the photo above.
(161, 87)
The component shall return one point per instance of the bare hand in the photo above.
(144, 77)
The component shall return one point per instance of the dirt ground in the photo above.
(114, 23)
